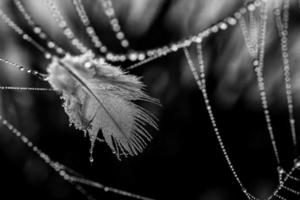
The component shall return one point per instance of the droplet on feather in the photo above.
(101, 97)
(88, 65)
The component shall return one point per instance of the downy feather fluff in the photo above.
(98, 96)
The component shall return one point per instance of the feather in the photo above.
(98, 96)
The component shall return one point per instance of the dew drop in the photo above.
(255, 63)
(110, 12)
(237, 15)
(88, 65)
(91, 159)
(297, 165)
(30, 144)
(51, 44)
(25, 37)
(62, 173)
(280, 171)
(186, 43)
(232, 21)
(84, 131)
(198, 39)
(141, 56)
(223, 26)
(47, 55)
(116, 27)
(214, 29)
(59, 50)
(120, 35)
(109, 56)
(37, 29)
(42, 35)
(62, 24)
(133, 56)
(103, 49)
(251, 7)
(243, 11)
(122, 58)
(125, 43)
(174, 47)
(150, 53)
(90, 30)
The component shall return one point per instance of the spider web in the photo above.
(288, 180)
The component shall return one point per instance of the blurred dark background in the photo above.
(184, 160)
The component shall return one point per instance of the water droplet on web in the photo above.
(125, 43)
(48, 55)
(133, 56)
(141, 56)
(223, 26)
(37, 29)
(280, 172)
(255, 64)
(232, 21)
(91, 159)
(251, 7)
(198, 39)
(297, 164)
(51, 44)
(103, 49)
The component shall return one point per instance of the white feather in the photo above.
(98, 96)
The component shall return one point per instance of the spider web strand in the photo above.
(37, 29)
(200, 80)
(63, 171)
